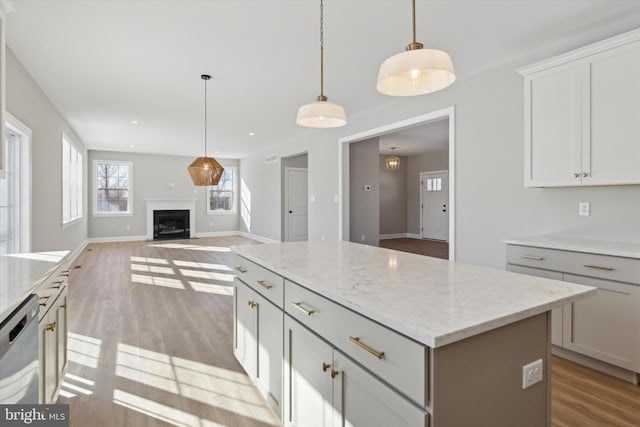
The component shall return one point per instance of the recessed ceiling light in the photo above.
(217, 152)
(132, 146)
(251, 133)
(134, 122)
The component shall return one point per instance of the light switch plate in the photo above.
(584, 208)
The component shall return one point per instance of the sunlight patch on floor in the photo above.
(83, 350)
(152, 269)
(158, 281)
(211, 288)
(149, 260)
(223, 277)
(205, 265)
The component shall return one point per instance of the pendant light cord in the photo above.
(321, 49)
(205, 117)
(413, 13)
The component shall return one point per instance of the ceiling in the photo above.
(105, 64)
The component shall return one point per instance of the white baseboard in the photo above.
(256, 237)
(217, 233)
(77, 251)
(116, 239)
(400, 236)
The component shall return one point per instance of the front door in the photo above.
(435, 205)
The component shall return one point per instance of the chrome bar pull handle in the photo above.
(264, 284)
(374, 353)
(241, 269)
(533, 257)
(299, 306)
(598, 267)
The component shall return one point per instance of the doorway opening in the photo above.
(423, 144)
(295, 200)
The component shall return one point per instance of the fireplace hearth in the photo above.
(171, 224)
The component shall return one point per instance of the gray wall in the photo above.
(491, 201)
(29, 104)
(426, 162)
(152, 174)
(393, 197)
(299, 161)
(364, 206)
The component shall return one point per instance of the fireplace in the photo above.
(171, 224)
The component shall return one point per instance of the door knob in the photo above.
(290, 211)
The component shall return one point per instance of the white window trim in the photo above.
(95, 188)
(235, 195)
(25, 133)
(72, 221)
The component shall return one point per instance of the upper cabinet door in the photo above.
(582, 120)
(615, 117)
(553, 120)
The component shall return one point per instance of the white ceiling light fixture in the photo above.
(321, 114)
(205, 170)
(416, 71)
(393, 161)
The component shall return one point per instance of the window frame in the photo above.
(234, 191)
(79, 186)
(129, 211)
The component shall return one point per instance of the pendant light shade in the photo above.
(416, 71)
(321, 114)
(205, 171)
(393, 161)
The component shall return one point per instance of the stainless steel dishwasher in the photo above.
(19, 368)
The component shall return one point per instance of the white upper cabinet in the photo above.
(582, 117)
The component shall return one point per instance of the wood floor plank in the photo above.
(151, 345)
(432, 248)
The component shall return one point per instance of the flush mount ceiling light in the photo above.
(416, 71)
(393, 161)
(321, 114)
(205, 170)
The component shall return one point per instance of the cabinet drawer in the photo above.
(399, 361)
(584, 264)
(265, 282)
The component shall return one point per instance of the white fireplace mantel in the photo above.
(168, 204)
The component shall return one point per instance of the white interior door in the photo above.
(296, 205)
(435, 205)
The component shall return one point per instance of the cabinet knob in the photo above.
(584, 174)
(576, 175)
(52, 326)
(325, 366)
(334, 373)
(252, 304)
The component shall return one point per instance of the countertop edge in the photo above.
(572, 247)
(428, 340)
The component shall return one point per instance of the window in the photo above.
(113, 194)
(71, 182)
(221, 198)
(434, 184)
(10, 196)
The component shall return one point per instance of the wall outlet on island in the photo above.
(532, 373)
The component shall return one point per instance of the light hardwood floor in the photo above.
(151, 345)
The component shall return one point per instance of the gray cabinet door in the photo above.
(360, 399)
(556, 314)
(246, 348)
(269, 345)
(307, 378)
(604, 326)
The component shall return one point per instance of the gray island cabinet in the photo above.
(343, 334)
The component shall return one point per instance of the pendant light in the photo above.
(393, 161)
(205, 170)
(416, 71)
(321, 114)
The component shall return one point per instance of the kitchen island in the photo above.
(378, 337)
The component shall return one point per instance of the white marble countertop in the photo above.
(577, 244)
(432, 301)
(21, 274)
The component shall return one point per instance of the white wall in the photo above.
(364, 206)
(29, 104)
(152, 174)
(393, 196)
(491, 201)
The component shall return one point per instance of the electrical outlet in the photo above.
(362, 238)
(532, 373)
(584, 208)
